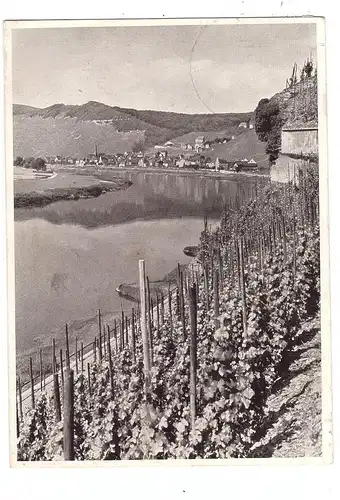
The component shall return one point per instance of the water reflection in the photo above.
(152, 196)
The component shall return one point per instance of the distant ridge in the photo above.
(73, 129)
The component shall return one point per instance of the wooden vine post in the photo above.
(32, 384)
(89, 378)
(110, 362)
(82, 357)
(157, 316)
(193, 352)
(61, 368)
(115, 335)
(20, 398)
(41, 370)
(181, 300)
(149, 319)
(100, 352)
(68, 429)
(126, 331)
(95, 349)
(56, 391)
(145, 337)
(216, 299)
(104, 342)
(67, 348)
(170, 308)
(133, 336)
(76, 356)
(162, 308)
(122, 330)
(243, 288)
(206, 286)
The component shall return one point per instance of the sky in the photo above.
(188, 69)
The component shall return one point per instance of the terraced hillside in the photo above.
(75, 129)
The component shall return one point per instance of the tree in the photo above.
(262, 120)
(268, 124)
(138, 146)
(35, 163)
(308, 68)
(28, 162)
(40, 164)
(18, 162)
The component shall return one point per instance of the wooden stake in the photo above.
(20, 398)
(104, 342)
(82, 356)
(100, 352)
(89, 378)
(115, 335)
(133, 336)
(170, 307)
(182, 307)
(69, 416)
(149, 321)
(216, 299)
(61, 368)
(56, 397)
(145, 337)
(41, 370)
(193, 352)
(17, 417)
(284, 239)
(127, 331)
(243, 288)
(110, 365)
(122, 333)
(76, 356)
(162, 308)
(157, 316)
(32, 384)
(95, 349)
(220, 263)
(68, 365)
(206, 286)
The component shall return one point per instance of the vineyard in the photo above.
(189, 374)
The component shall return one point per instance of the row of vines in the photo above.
(217, 345)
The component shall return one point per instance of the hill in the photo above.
(75, 129)
(246, 145)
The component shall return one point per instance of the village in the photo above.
(197, 154)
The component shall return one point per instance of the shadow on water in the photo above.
(152, 196)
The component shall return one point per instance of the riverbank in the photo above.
(223, 174)
(64, 186)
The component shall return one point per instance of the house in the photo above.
(199, 143)
(189, 146)
(247, 124)
(169, 144)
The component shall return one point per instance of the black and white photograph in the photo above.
(167, 241)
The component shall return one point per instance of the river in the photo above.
(71, 255)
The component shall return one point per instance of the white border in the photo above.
(326, 348)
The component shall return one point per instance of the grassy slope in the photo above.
(37, 136)
(71, 130)
(245, 145)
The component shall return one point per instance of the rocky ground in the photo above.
(293, 427)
